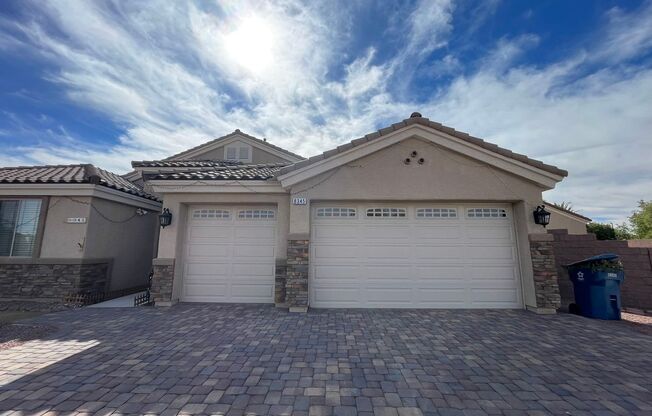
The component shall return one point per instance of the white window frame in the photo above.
(486, 213)
(436, 213)
(37, 230)
(386, 210)
(336, 213)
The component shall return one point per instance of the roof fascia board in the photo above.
(567, 214)
(77, 189)
(534, 174)
(192, 186)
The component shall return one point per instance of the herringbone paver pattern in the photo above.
(235, 360)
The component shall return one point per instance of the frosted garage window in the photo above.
(436, 213)
(335, 212)
(256, 214)
(213, 214)
(486, 213)
(386, 212)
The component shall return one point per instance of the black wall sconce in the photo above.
(165, 218)
(541, 216)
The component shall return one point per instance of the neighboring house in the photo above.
(415, 215)
(565, 219)
(73, 228)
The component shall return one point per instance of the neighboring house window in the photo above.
(18, 225)
(238, 151)
(436, 213)
(486, 213)
(386, 212)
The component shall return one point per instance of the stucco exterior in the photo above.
(560, 220)
(127, 239)
(111, 233)
(383, 175)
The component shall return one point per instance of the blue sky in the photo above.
(567, 82)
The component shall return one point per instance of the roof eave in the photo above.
(385, 137)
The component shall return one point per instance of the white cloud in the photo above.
(168, 74)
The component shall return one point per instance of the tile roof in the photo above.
(417, 119)
(183, 163)
(70, 174)
(238, 133)
(260, 172)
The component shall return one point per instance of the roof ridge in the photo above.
(424, 121)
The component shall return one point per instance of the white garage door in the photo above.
(413, 256)
(230, 254)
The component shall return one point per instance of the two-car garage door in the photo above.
(413, 256)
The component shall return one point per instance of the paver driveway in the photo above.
(216, 359)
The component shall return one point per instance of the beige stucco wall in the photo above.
(561, 221)
(257, 156)
(444, 176)
(129, 243)
(172, 238)
(60, 239)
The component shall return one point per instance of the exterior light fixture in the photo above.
(541, 216)
(165, 218)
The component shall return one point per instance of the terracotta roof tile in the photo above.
(183, 163)
(70, 174)
(260, 172)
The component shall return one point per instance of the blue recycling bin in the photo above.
(596, 282)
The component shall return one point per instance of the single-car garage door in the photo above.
(230, 254)
(413, 256)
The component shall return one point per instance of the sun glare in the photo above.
(250, 45)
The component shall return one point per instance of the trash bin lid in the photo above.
(599, 257)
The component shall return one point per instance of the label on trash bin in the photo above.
(614, 275)
(580, 276)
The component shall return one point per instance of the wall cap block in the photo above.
(541, 237)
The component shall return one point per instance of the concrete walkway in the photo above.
(123, 302)
(258, 360)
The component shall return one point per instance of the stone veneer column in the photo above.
(546, 284)
(162, 278)
(296, 283)
(279, 281)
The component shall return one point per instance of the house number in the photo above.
(299, 201)
(80, 220)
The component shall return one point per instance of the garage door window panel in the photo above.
(386, 213)
(493, 213)
(256, 214)
(335, 212)
(435, 213)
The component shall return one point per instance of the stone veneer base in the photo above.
(296, 283)
(162, 278)
(52, 278)
(546, 285)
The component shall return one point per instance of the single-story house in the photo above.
(565, 219)
(74, 228)
(415, 215)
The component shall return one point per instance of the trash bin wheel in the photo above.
(574, 308)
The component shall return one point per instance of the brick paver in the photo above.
(236, 359)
